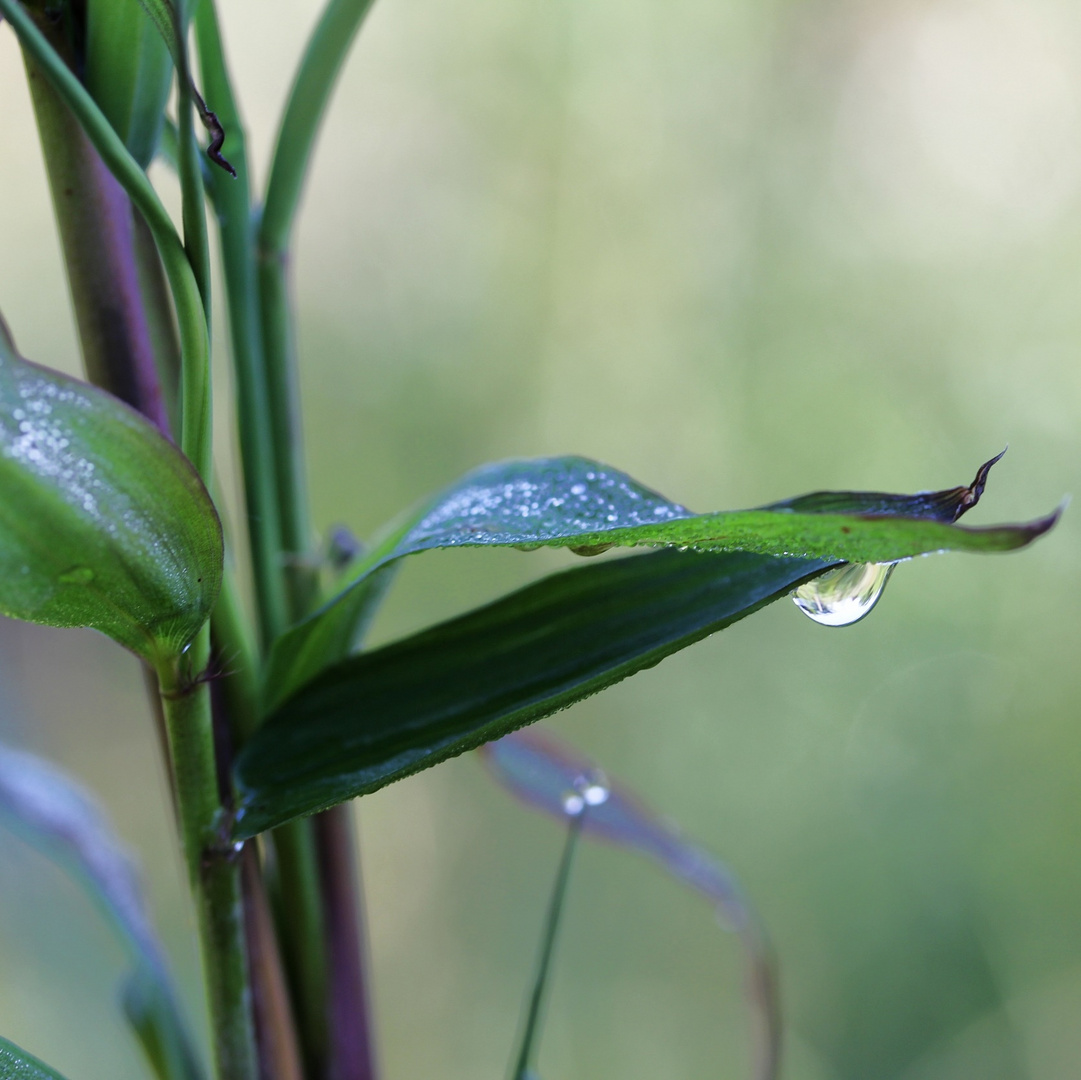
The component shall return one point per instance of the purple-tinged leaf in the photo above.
(548, 775)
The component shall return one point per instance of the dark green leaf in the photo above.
(16, 1064)
(579, 504)
(377, 717)
(103, 522)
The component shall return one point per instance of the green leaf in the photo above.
(16, 1064)
(152, 1012)
(55, 814)
(382, 715)
(103, 522)
(579, 504)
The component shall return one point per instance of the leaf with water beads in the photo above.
(17, 1064)
(587, 507)
(550, 776)
(103, 522)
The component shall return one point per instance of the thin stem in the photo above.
(351, 1035)
(231, 199)
(213, 865)
(189, 166)
(308, 99)
(279, 1055)
(194, 342)
(158, 308)
(531, 1033)
(318, 72)
(301, 927)
(237, 655)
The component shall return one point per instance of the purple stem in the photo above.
(351, 1052)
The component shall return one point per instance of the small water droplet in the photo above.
(573, 803)
(593, 787)
(77, 575)
(843, 596)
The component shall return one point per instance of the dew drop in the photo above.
(843, 596)
(590, 789)
(77, 575)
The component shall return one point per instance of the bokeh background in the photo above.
(742, 251)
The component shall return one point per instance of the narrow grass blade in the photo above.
(540, 770)
(531, 1028)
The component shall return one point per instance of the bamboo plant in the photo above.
(274, 715)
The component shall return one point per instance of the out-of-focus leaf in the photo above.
(58, 816)
(547, 774)
(152, 1012)
(384, 714)
(543, 772)
(16, 1064)
(103, 522)
(588, 507)
(128, 72)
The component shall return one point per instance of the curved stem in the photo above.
(308, 99)
(189, 167)
(191, 320)
(323, 58)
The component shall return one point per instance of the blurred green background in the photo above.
(741, 250)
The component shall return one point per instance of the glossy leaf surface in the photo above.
(587, 507)
(103, 522)
(16, 1064)
(382, 715)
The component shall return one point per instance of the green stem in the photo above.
(308, 99)
(191, 320)
(213, 865)
(237, 655)
(531, 1033)
(231, 200)
(158, 308)
(189, 167)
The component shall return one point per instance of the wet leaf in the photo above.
(588, 507)
(103, 522)
(16, 1064)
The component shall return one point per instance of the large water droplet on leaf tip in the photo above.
(843, 596)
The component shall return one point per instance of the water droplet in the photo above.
(573, 803)
(77, 575)
(588, 550)
(843, 596)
